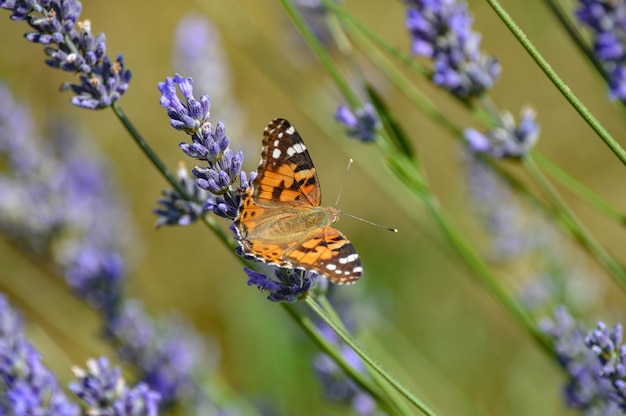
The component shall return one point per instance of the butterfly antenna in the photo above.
(343, 181)
(393, 230)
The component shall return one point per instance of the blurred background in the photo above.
(420, 310)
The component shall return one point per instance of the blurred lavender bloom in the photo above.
(198, 52)
(58, 201)
(611, 353)
(209, 144)
(585, 390)
(70, 46)
(289, 286)
(26, 386)
(442, 31)
(168, 353)
(175, 209)
(506, 140)
(362, 124)
(105, 393)
(607, 21)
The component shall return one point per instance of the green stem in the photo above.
(321, 54)
(382, 384)
(558, 82)
(574, 225)
(579, 189)
(364, 383)
(367, 358)
(486, 276)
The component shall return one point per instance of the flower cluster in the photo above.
(586, 388)
(362, 124)
(442, 31)
(70, 46)
(607, 344)
(507, 140)
(209, 144)
(290, 285)
(105, 392)
(176, 209)
(607, 20)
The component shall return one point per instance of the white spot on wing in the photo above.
(296, 148)
(357, 269)
(290, 130)
(276, 142)
(352, 257)
(331, 266)
(276, 153)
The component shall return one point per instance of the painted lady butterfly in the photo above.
(280, 220)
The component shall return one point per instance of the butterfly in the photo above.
(280, 220)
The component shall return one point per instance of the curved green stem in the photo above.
(364, 383)
(558, 82)
(574, 225)
(392, 393)
(579, 189)
(367, 358)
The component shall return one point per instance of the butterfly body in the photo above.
(280, 220)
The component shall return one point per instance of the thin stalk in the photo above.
(368, 359)
(558, 82)
(309, 328)
(380, 381)
(574, 225)
(579, 189)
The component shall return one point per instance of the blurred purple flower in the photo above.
(442, 31)
(168, 353)
(70, 46)
(176, 210)
(26, 386)
(362, 124)
(607, 21)
(198, 52)
(209, 144)
(506, 140)
(58, 200)
(289, 286)
(105, 393)
(611, 353)
(586, 389)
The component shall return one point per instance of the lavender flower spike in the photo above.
(442, 31)
(175, 209)
(586, 389)
(70, 46)
(104, 391)
(507, 140)
(28, 388)
(607, 345)
(362, 124)
(209, 144)
(606, 21)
